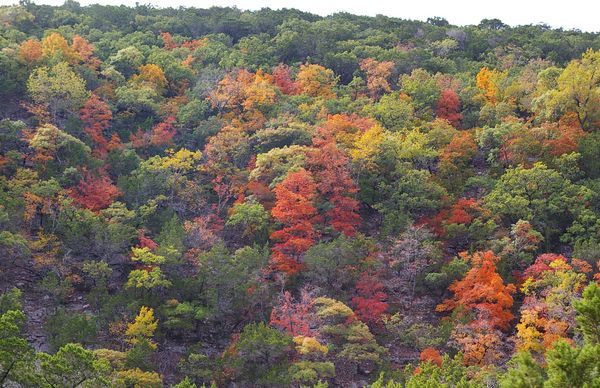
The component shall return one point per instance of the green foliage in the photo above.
(327, 263)
(16, 357)
(588, 313)
(69, 327)
(72, 366)
(262, 354)
(58, 87)
(393, 111)
(523, 372)
(539, 195)
(252, 219)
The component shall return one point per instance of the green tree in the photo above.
(577, 90)
(16, 357)
(523, 372)
(262, 355)
(588, 313)
(539, 195)
(59, 88)
(72, 366)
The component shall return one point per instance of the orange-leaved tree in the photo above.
(96, 116)
(330, 167)
(295, 210)
(485, 301)
(448, 107)
(482, 291)
(94, 193)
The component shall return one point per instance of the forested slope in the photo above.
(219, 197)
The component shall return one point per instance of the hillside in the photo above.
(215, 197)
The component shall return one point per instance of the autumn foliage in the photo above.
(96, 116)
(448, 107)
(94, 193)
(294, 316)
(370, 303)
(295, 210)
(482, 292)
(331, 169)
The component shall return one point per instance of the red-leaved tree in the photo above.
(94, 193)
(295, 210)
(294, 316)
(330, 166)
(369, 304)
(448, 107)
(96, 116)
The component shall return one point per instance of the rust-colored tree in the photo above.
(431, 355)
(483, 299)
(294, 208)
(378, 74)
(163, 132)
(294, 316)
(330, 166)
(283, 79)
(30, 51)
(448, 107)
(168, 42)
(369, 304)
(94, 193)
(482, 291)
(96, 116)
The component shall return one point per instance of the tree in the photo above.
(432, 355)
(539, 195)
(85, 51)
(316, 81)
(53, 144)
(485, 301)
(294, 209)
(283, 80)
(16, 357)
(356, 348)
(96, 116)
(295, 317)
(394, 111)
(412, 253)
(577, 90)
(455, 161)
(330, 167)
(488, 81)
(252, 219)
(59, 88)
(547, 313)
(482, 291)
(370, 303)
(572, 367)
(335, 265)
(56, 48)
(30, 51)
(588, 313)
(523, 372)
(378, 74)
(405, 196)
(143, 327)
(94, 193)
(151, 75)
(448, 107)
(72, 366)
(422, 90)
(261, 354)
(163, 133)
(149, 274)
